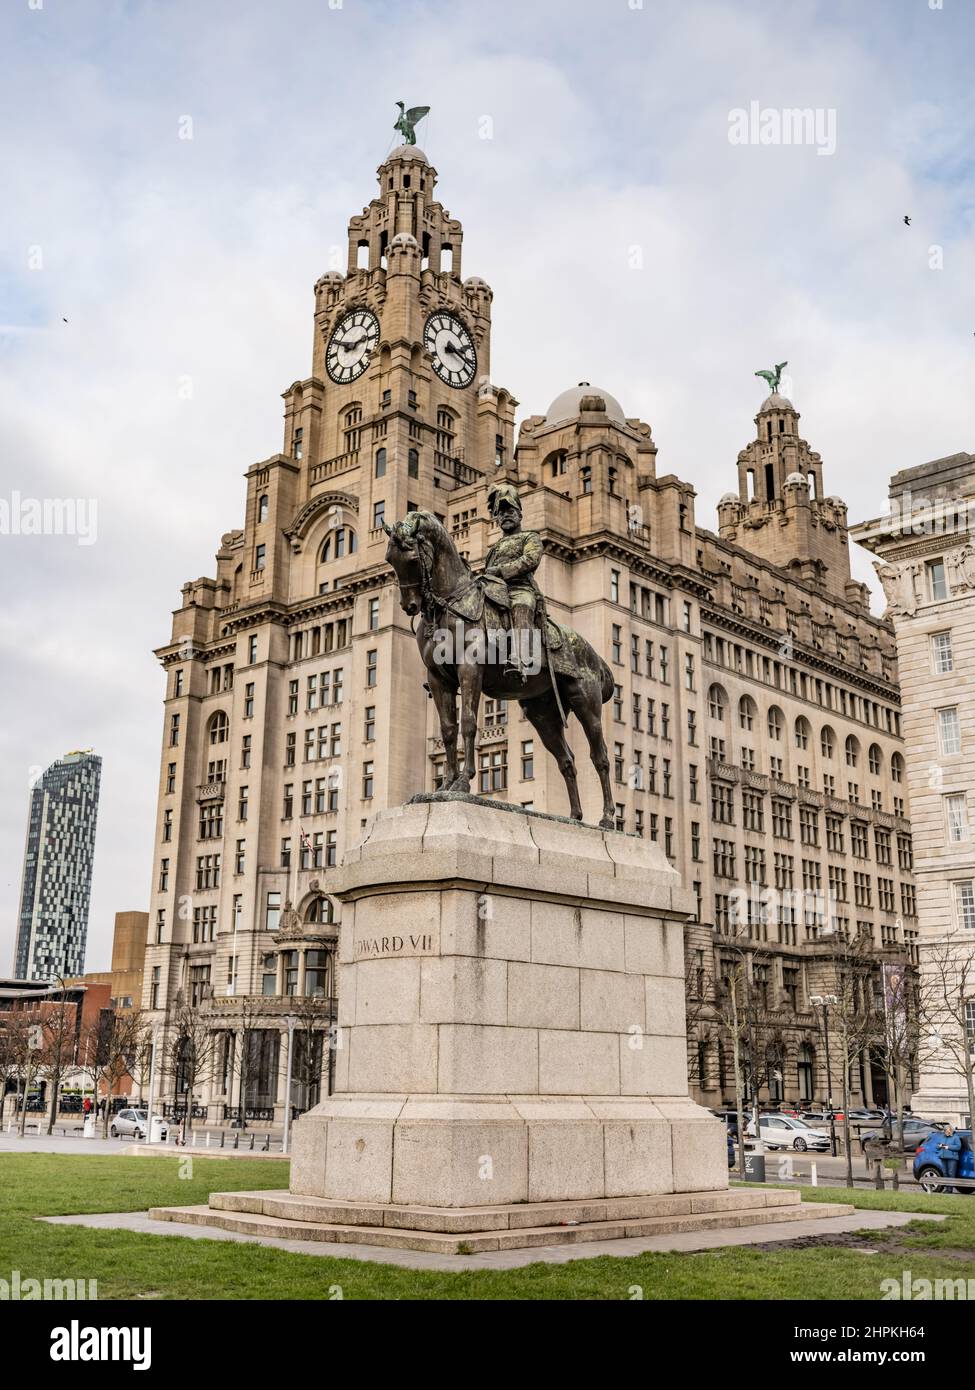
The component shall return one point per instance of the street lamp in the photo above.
(823, 1001)
(292, 1023)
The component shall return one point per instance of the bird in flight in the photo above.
(907, 220)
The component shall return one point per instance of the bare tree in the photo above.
(13, 1054)
(121, 1043)
(189, 1053)
(946, 1009)
(854, 1022)
(59, 1052)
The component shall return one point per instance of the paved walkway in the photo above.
(513, 1259)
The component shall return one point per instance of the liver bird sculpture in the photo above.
(773, 377)
(408, 121)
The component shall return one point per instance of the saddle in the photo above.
(482, 592)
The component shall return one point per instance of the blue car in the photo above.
(929, 1170)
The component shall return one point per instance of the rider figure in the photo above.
(514, 560)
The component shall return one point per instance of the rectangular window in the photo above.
(260, 557)
(949, 732)
(941, 653)
(368, 779)
(965, 902)
(369, 724)
(937, 582)
(372, 667)
(956, 816)
(249, 700)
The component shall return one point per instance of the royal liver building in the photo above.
(754, 731)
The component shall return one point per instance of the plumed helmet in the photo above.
(503, 494)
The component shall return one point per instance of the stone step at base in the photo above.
(474, 1242)
(460, 1220)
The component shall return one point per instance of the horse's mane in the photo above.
(423, 525)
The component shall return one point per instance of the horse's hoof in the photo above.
(576, 815)
(460, 784)
(608, 823)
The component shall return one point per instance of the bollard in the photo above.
(813, 1180)
(208, 1138)
(237, 1140)
(895, 1180)
(878, 1176)
(267, 1144)
(252, 1143)
(223, 1135)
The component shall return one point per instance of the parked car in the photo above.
(929, 1168)
(819, 1119)
(915, 1133)
(786, 1132)
(135, 1123)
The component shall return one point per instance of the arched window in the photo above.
(746, 712)
(717, 702)
(380, 463)
(802, 732)
(262, 507)
(776, 722)
(557, 463)
(413, 463)
(321, 910)
(875, 759)
(896, 768)
(340, 543)
(852, 751)
(218, 729)
(827, 741)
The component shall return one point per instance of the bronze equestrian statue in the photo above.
(476, 634)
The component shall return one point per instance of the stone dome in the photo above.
(776, 402)
(405, 239)
(474, 282)
(729, 497)
(405, 152)
(795, 480)
(568, 404)
(334, 275)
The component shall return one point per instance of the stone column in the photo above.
(511, 993)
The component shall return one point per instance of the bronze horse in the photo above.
(434, 581)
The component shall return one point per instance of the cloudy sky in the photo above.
(585, 145)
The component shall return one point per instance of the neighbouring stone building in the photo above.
(927, 566)
(754, 730)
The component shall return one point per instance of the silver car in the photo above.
(135, 1123)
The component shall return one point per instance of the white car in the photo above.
(784, 1132)
(134, 1122)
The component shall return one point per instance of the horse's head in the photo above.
(410, 553)
(424, 558)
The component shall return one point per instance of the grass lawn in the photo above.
(130, 1265)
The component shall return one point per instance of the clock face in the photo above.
(452, 348)
(351, 346)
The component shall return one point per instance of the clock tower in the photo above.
(401, 358)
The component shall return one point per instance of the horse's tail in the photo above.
(608, 683)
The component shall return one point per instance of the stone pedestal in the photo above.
(511, 1012)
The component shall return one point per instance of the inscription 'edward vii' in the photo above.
(416, 945)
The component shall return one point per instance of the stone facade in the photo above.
(750, 673)
(926, 562)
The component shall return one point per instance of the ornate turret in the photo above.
(780, 512)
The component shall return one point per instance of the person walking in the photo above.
(949, 1147)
